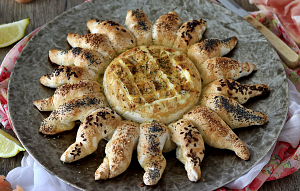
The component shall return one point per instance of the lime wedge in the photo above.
(12, 32)
(9, 146)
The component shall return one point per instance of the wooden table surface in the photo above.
(41, 12)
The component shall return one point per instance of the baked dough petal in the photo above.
(119, 150)
(233, 113)
(63, 118)
(120, 37)
(139, 25)
(67, 74)
(164, 31)
(215, 132)
(153, 136)
(80, 57)
(67, 92)
(234, 90)
(95, 42)
(99, 125)
(188, 34)
(190, 147)
(210, 48)
(222, 67)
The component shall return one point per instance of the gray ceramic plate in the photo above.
(219, 166)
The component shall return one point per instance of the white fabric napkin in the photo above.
(32, 177)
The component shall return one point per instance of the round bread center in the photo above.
(152, 82)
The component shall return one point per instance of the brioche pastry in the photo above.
(119, 150)
(67, 92)
(100, 124)
(190, 147)
(215, 132)
(233, 113)
(222, 67)
(164, 31)
(120, 38)
(210, 48)
(77, 56)
(63, 118)
(139, 25)
(188, 34)
(153, 136)
(67, 74)
(233, 89)
(95, 42)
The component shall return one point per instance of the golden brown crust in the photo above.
(153, 136)
(67, 92)
(233, 113)
(95, 42)
(164, 31)
(119, 150)
(216, 132)
(222, 67)
(46, 104)
(67, 74)
(140, 26)
(233, 89)
(120, 37)
(152, 82)
(188, 34)
(210, 48)
(80, 57)
(190, 147)
(63, 118)
(100, 124)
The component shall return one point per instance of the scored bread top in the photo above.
(152, 82)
